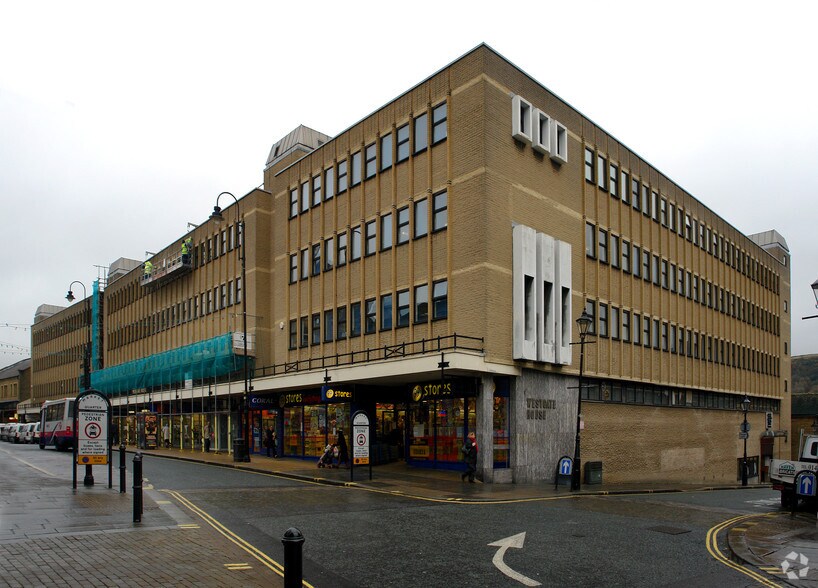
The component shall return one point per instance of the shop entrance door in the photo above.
(766, 456)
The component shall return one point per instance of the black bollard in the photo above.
(137, 487)
(122, 469)
(293, 542)
(89, 476)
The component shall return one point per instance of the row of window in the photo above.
(60, 328)
(631, 258)
(350, 245)
(208, 250)
(620, 324)
(634, 393)
(631, 190)
(65, 356)
(376, 157)
(394, 312)
(198, 306)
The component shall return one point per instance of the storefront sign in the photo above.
(427, 391)
(259, 401)
(537, 408)
(330, 394)
(298, 398)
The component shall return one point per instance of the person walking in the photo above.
(470, 451)
(343, 452)
(206, 435)
(268, 441)
(166, 435)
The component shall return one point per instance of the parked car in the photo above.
(3, 431)
(28, 432)
(8, 432)
(35, 435)
(19, 432)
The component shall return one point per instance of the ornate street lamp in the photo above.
(86, 379)
(584, 323)
(244, 421)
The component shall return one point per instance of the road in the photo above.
(363, 537)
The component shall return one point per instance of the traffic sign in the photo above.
(566, 466)
(743, 435)
(805, 484)
(92, 429)
(360, 437)
(745, 427)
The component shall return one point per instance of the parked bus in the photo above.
(56, 424)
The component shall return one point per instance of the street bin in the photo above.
(593, 472)
(239, 450)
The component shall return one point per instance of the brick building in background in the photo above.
(428, 264)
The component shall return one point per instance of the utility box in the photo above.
(593, 472)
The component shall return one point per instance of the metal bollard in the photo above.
(122, 469)
(293, 542)
(137, 487)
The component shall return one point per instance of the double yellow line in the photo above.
(713, 548)
(250, 549)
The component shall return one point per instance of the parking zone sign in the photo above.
(92, 429)
(360, 438)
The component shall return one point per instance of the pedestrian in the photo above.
(166, 434)
(206, 434)
(470, 457)
(343, 452)
(268, 441)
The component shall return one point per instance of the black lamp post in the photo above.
(745, 429)
(86, 377)
(815, 292)
(244, 422)
(584, 323)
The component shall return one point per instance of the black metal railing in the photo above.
(452, 342)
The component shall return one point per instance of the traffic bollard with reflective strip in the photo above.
(137, 487)
(293, 542)
(122, 469)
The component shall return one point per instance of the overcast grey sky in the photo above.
(121, 122)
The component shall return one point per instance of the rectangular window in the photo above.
(421, 133)
(371, 238)
(316, 190)
(439, 124)
(626, 256)
(590, 240)
(663, 212)
(614, 251)
(637, 339)
(614, 322)
(342, 176)
(613, 184)
(603, 246)
(370, 316)
(341, 322)
(305, 197)
(355, 171)
(421, 218)
(654, 205)
(386, 312)
(238, 290)
(403, 309)
(293, 202)
(371, 161)
(602, 172)
(329, 253)
(386, 152)
(293, 268)
(355, 319)
(439, 211)
(316, 259)
(403, 143)
(590, 310)
(664, 336)
(646, 265)
(664, 274)
(328, 328)
(316, 329)
(305, 331)
(645, 201)
(386, 231)
(603, 320)
(293, 341)
(671, 216)
(626, 326)
(403, 225)
(636, 260)
(656, 333)
(624, 183)
(673, 338)
(329, 183)
(440, 300)
(355, 254)
(342, 249)
(634, 193)
(422, 303)
(589, 165)
(655, 270)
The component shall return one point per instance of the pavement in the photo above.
(53, 537)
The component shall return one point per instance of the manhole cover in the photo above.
(669, 530)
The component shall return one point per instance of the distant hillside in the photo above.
(805, 374)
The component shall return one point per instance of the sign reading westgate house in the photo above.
(537, 408)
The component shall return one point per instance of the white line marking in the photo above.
(515, 541)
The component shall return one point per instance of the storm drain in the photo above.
(669, 530)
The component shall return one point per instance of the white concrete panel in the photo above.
(521, 115)
(524, 292)
(541, 132)
(546, 299)
(565, 314)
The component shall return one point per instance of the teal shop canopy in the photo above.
(205, 359)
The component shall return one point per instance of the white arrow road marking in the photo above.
(515, 541)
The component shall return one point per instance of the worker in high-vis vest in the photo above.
(186, 246)
(148, 268)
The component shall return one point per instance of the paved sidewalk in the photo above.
(782, 545)
(53, 536)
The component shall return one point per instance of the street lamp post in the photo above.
(243, 419)
(86, 377)
(584, 323)
(745, 433)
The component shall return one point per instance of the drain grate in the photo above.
(669, 530)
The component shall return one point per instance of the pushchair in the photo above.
(326, 460)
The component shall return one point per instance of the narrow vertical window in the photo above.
(356, 243)
(316, 190)
(386, 312)
(342, 176)
(421, 140)
(403, 143)
(386, 231)
(403, 225)
(589, 165)
(371, 242)
(386, 152)
(328, 328)
(305, 197)
(342, 249)
(293, 340)
(421, 218)
(305, 264)
(440, 299)
(613, 183)
(439, 211)
(329, 253)
(355, 172)
(355, 319)
(329, 183)
(370, 316)
(403, 309)
(439, 124)
(293, 268)
(316, 259)
(602, 172)
(371, 164)
(341, 322)
(305, 331)
(422, 303)
(293, 202)
(316, 329)
(590, 240)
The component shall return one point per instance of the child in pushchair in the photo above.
(328, 457)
